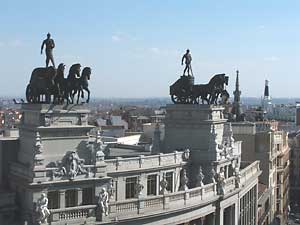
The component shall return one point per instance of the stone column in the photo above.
(219, 216)
(226, 171)
(62, 199)
(79, 197)
(201, 220)
(211, 219)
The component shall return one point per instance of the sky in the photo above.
(134, 47)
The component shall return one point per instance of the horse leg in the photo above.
(88, 91)
(78, 95)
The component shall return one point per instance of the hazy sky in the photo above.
(135, 47)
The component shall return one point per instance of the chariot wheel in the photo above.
(178, 100)
(29, 96)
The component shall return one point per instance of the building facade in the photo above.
(197, 177)
(262, 141)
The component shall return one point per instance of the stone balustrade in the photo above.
(144, 162)
(150, 205)
(173, 201)
(73, 213)
(119, 164)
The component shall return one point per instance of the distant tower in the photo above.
(266, 101)
(297, 120)
(236, 109)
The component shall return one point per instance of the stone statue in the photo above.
(42, 208)
(187, 58)
(139, 188)
(163, 184)
(70, 166)
(186, 154)
(75, 165)
(103, 201)
(221, 182)
(50, 45)
(184, 181)
(237, 177)
(212, 175)
(111, 189)
(200, 178)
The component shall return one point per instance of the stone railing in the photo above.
(180, 199)
(44, 174)
(250, 171)
(73, 213)
(143, 162)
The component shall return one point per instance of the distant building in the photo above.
(297, 117)
(266, 100)
(264, 142)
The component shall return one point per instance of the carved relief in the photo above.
(71, 166)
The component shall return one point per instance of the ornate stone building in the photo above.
(264, 142)
(60, 174)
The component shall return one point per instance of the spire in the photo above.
(237, 83)
(236, 110)
(237, 92)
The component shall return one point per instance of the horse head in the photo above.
(60, 70)
(86, 73)
(226, 80)
(74, 71)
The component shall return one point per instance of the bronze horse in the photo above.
(41, 83)
(83, 84)
(77, 83)
(209, 92)
(50, 81)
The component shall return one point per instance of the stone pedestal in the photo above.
(197, 127)
(62, 128)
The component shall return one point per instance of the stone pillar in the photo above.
(79, 197)
(219, 216)
(201, 220)
(211, 219)
(62, 199)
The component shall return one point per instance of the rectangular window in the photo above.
(87, 196)
(169, 179)
(131, 183)
(71, 198)
(53, 199)
(151, 184)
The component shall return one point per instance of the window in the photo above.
(71, 198)
(53, 199)
(87, 196)
(169, 179)
(278, 147)
(151, 184)
(130, 187)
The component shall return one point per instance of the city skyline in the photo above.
(137, 46)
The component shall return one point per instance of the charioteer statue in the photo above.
(187, 58)
(184, 91)
(48, 84)
(50, 45)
